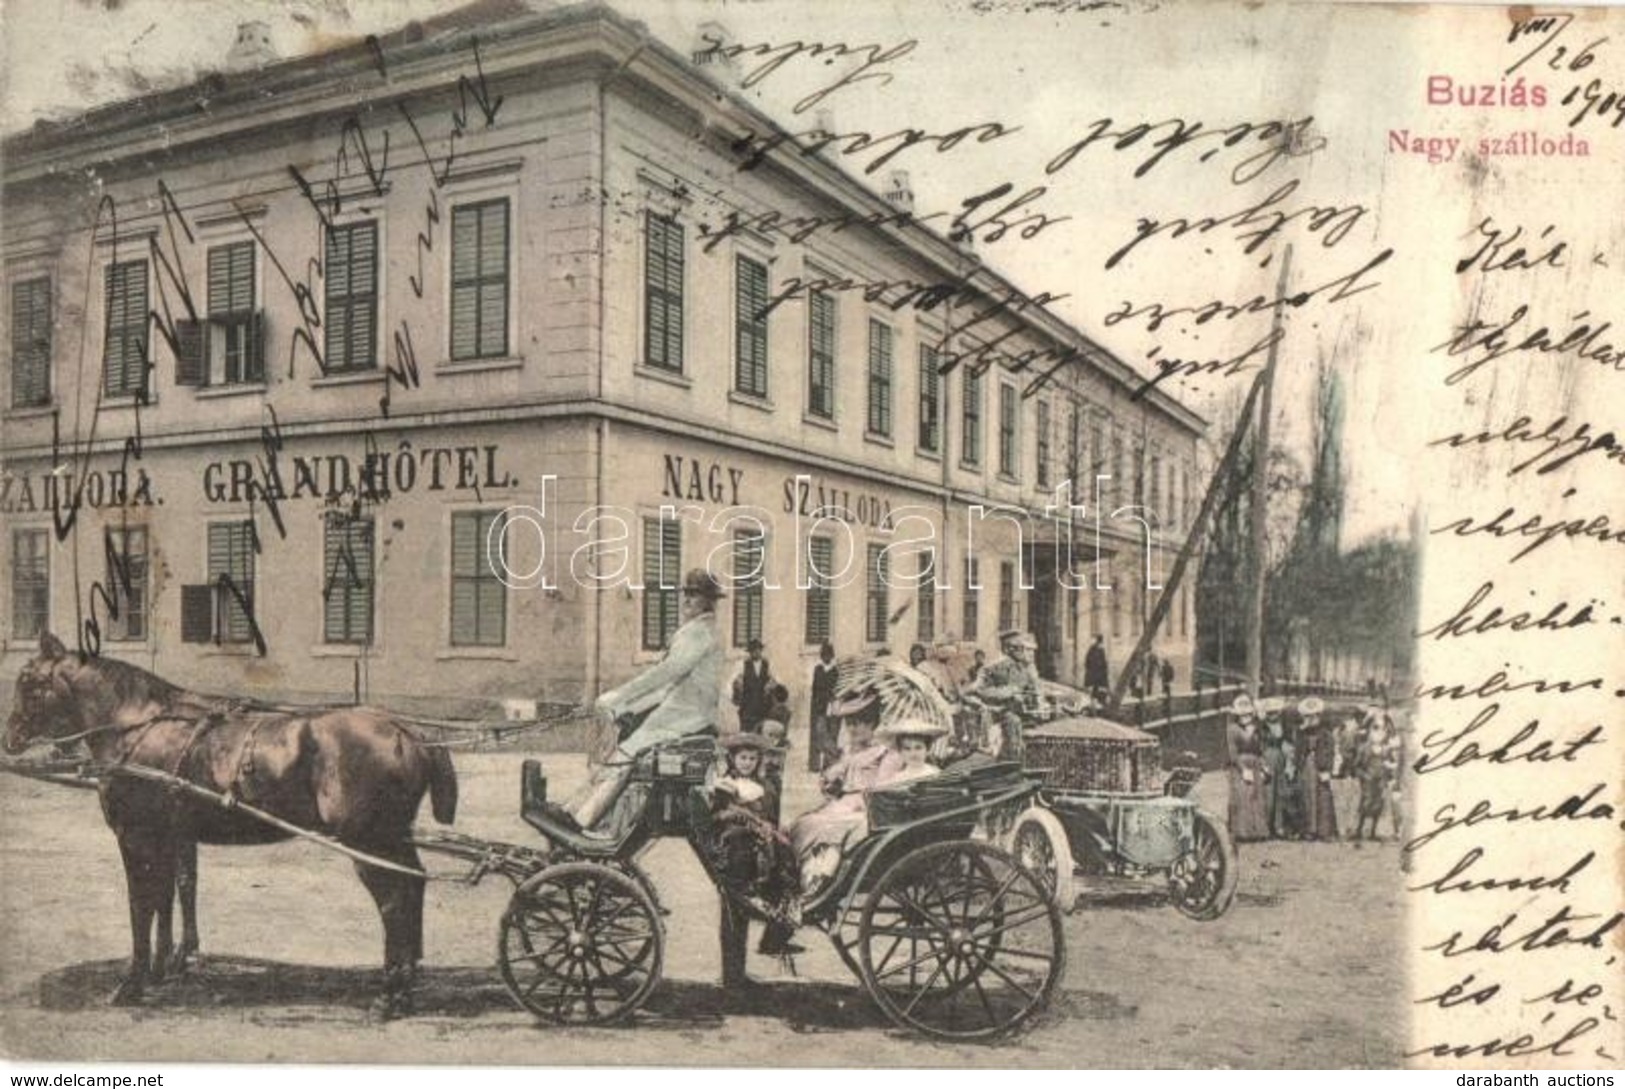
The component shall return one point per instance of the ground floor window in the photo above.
(662, 564)
(347, 580)
(479, 600)
(30, 583)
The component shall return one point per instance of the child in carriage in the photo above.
(746, 848)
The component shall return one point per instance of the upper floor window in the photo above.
(750, 327)
(880, 378)
(351, 274)
(930, 400)
(236, 351)
(1043, 444)
(124, 355)
(1008, 455)
(31, 342)
(479, 280)
(663, 293)
(821, 354)
(970, 446)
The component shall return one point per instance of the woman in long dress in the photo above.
(1248, 819)
(1320, 752)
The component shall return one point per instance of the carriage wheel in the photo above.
(581, 944)
(1040, 844)
(1203, 880)
(959, 941)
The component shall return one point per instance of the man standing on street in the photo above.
(752, 689)
(1094, 670)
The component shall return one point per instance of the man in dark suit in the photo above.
(753, 688)
(1094, 670)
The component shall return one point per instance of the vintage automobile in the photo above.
(1106, 809)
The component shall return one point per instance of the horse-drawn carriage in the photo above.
(949, 934)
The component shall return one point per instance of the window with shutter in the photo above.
(749, 559)
(663, 293)
(127, 582)
(1042, 428)
(878, 610)
(347, 581)
(197, 614)
(820, 569)
(750, 327)
(31, 342)
(479, 280)
(821, 354)
(930, 400)
(880, 379)
(124, 352)
(970, 445)
(1008, 465)
(351, 319)
(234, 350)
(479, 600)
(972, 600)
(662, 568)
(925, 599)
(30, 583)
(232, 547)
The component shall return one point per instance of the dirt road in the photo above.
(1304, 970)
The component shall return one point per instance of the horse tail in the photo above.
(442, 785)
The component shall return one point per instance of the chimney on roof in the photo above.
(252, 49)
(708, 53)
(899, 193)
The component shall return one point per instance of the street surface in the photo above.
(1304, 971)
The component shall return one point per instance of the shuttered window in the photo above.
(880, 378)
(30, 583)
(930, 400)
(236, 351)
(127, 582)
(663, 293)
(31, 342)
(972, 600)
(1097, 454)
(821, 354)
(1115, 486)
(925, 599)
(662, 563)
(970, 445)
(231, 573)
(820, 569)
(1043, 444)
(1008, 464)
(750, 327)
(1156, 490)
(877, 607)
(347, 579)
(351, 319)
(124, 356)
(1074, 454)
(479, 280)
(479, 600)
(749, 558)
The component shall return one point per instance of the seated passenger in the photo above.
(747, 851)
(896, 754)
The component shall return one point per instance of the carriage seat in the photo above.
(554, 821)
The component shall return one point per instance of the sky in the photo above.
(1050, 69)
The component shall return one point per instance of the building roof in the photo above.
(168, 119)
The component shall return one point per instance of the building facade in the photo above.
(419, 372)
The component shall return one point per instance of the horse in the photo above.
(353, 773)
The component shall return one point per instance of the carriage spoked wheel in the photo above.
(1202, 882)
(959, 941)
(581, 944)
(1039, 843)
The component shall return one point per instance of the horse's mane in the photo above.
(132, 684)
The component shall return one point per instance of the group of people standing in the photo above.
(1284, 775)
